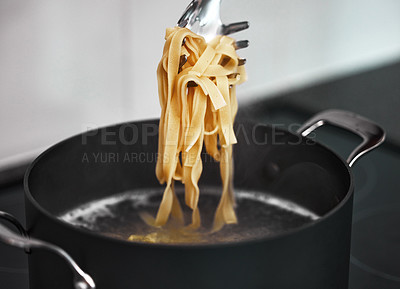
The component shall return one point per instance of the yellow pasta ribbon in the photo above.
(198, 107)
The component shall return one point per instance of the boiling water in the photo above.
(119, 216)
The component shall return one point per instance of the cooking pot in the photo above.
(274, 162)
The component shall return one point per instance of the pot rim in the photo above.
(189, 246)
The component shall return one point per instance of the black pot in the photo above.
(291, 166)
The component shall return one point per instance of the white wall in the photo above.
(60, 69)
(66, 65)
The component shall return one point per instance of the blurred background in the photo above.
(66, 66)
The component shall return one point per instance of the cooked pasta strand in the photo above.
(193, 116)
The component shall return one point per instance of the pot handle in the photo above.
(23, 241)
(372, 134)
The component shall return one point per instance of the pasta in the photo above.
(198, 106)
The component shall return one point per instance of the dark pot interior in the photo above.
(122, 158)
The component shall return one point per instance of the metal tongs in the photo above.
(203, 18)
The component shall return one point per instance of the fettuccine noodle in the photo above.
(198, 106)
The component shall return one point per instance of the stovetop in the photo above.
(13, 261)
(375, 254)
